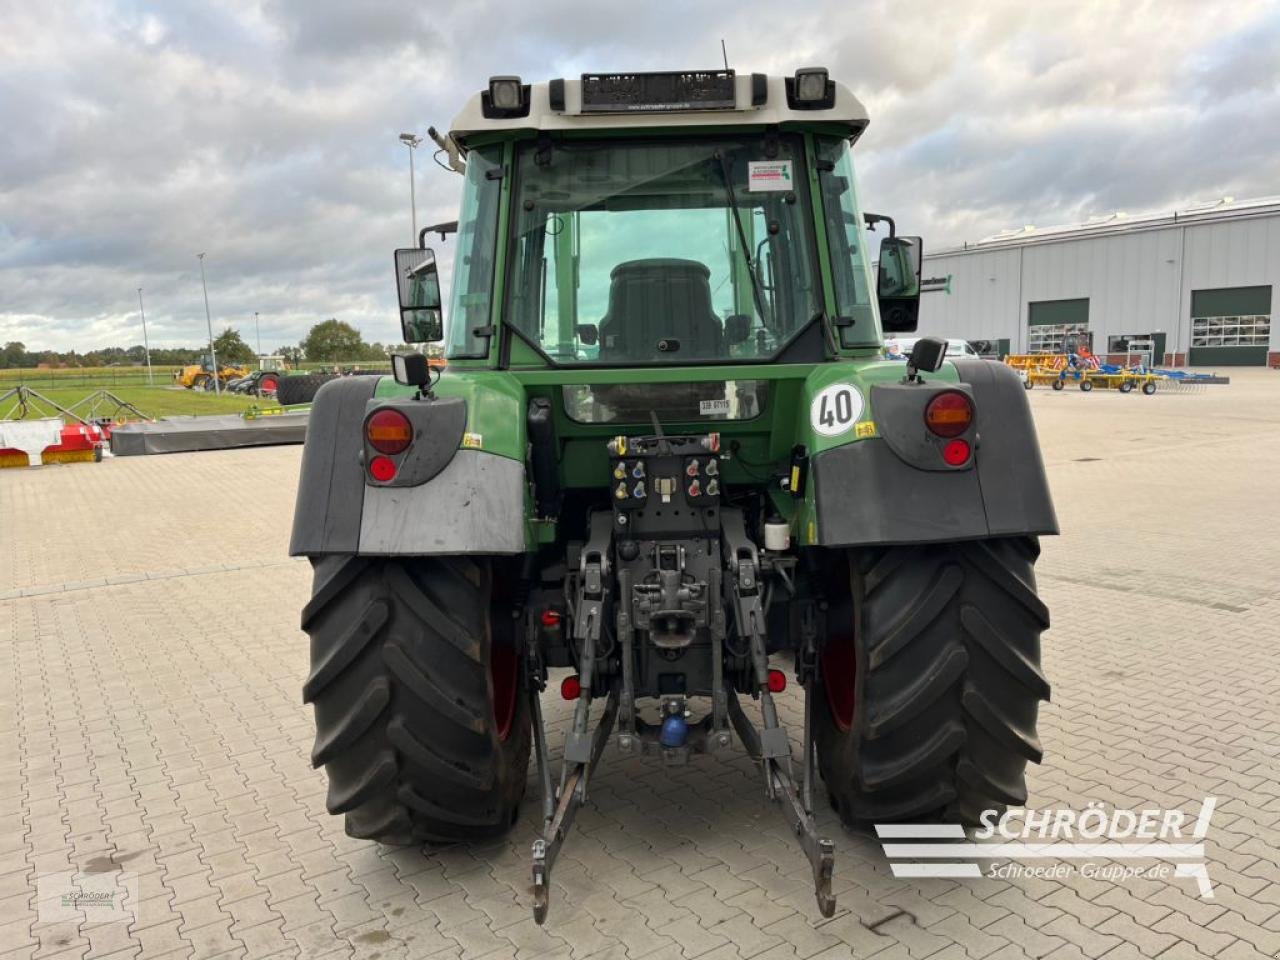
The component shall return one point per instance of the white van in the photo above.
(899, 348)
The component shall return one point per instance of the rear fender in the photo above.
(445, 499)
(892, 486)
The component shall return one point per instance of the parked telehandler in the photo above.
(668, 454)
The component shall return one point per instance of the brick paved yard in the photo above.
(152, 732)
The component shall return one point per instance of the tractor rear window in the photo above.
(669, 402)
(662, 252)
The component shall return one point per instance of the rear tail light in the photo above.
(956, 453)
(382, 469)
(389, 431)
(949, 414)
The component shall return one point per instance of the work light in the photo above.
(811, 84)
(505, 92)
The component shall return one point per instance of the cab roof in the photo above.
(757, 99)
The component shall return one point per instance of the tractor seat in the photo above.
(660, 301)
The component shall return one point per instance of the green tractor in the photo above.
(667, 453)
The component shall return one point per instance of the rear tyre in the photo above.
(932, 680)
(417, 683)
(302, 388)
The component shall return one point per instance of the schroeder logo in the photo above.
(87, 897)
(1096, 842)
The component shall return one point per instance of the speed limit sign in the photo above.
(835, 409)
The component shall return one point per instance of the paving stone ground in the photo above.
(152, 736)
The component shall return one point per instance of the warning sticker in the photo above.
(472, 441)
(769, 175)
(865, 429)
(714, 408)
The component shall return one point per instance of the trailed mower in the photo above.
(668, 454)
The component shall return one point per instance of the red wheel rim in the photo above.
(269, 383)
(839, 657)
(504, 668)
(839, 670)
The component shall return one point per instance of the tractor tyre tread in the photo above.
(300, 389)
(948, 682)
(403, 702)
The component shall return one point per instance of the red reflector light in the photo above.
(550, 618)
(571, 687)
(956, 452)
(777, 681)
(949, 414)
(389, 431)
(382, 469)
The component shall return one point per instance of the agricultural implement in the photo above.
(1057, 370)
(665, 451)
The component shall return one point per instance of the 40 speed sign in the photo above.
(835, 409)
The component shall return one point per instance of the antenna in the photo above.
(724, 53)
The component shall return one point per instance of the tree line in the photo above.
(331, 341)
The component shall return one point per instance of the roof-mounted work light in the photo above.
(811, 89)
(506, 97)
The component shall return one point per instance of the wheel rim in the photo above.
(839, 658)
(269, 383)
(839, 665)
(504, 669)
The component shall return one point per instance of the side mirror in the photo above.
(737, 328)
(588, 334)
(418, 284)
(898, 283)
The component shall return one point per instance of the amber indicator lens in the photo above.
(389, 431)
(949, 414)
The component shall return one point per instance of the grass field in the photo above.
(157, 401)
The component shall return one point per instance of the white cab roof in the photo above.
(847, 111)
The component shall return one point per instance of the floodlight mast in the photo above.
(208, 319)
(146, 344)
(411, 141)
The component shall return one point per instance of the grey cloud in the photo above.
(265, 133)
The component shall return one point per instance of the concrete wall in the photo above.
(1137, 281)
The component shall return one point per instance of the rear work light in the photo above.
(949, 414)
(389, 431)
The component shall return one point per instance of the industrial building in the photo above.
(1198, 285)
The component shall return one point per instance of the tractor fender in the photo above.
(451, 501)
(888, 489)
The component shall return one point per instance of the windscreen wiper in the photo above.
(742, 239)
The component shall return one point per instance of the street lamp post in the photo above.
(146, 344)
(208, 319)
(257, 331)
(411, 141)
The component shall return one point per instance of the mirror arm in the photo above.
(448, 227)
(873, 218)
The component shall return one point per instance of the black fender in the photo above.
(444, 500)
(895, 489)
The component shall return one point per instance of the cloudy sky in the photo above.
(136, 135)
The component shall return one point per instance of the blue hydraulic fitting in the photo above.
(674, 731)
